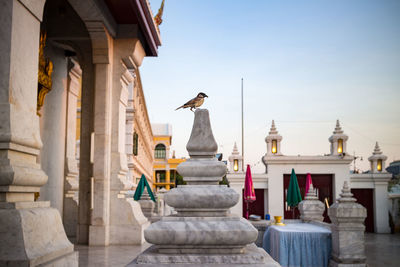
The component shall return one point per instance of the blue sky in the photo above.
(304, 64)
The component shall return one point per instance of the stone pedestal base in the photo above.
(127, 222)
(32, 234)
(70, 217)
(252, 256)
(181, 233)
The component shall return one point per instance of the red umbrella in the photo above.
(308, 183)
(249, 193)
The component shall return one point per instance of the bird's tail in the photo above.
(179, 107)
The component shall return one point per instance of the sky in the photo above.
(304, 64)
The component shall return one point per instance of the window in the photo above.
(340, 146)
(135, 143)
(160, 176)
(159, 152)
(274, 147)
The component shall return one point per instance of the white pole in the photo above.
(242, 132)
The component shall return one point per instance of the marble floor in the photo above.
(381, 250)
(115, 256)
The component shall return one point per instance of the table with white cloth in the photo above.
(298, 244)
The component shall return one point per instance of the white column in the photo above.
(71, 183)
(52, 122)
(25, 225)
(99, 229)
(127, 221)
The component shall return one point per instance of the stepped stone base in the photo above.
(252, 256)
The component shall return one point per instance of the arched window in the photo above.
(159, 152)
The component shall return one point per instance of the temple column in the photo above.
(99, 232)
(52, 130)
(71, 185)
(33, 231)
(85, 149)
(127, 221)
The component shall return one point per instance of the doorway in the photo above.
(323, 184)
(256, 207)
(365, 197)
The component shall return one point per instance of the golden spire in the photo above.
(158, 17)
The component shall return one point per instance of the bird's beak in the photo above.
(205, 95)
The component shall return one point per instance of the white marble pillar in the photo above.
(127, 221)
(71, 183)
(33, 231)
(99, 226)
(52, 130)
(99, 229)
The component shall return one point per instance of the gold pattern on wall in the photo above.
(158, 17)
(44, 75)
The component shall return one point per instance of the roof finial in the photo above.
(338, 128)
(377, 149)
(346, 195)
(273, 128)
(311, 194)
(158, 18)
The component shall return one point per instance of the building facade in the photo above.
(139, 135)
(52, 51)
(165, 164)
(328, 173)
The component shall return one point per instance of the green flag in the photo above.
(140, 189)
(293, 194)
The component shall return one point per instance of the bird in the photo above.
(195, 102)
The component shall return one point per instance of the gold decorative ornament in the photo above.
(278, 221)
(44, 74)
(158, 18)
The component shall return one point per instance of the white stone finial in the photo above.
(273, 128)
(346, 195)
(202, 149)
(377, 149)
(201, 141)
(311, 194)
(235, 149)
(338, 128)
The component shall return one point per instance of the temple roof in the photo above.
(137, 12)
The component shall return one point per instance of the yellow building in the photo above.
(164, 168)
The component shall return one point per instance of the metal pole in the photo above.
(242, 132)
